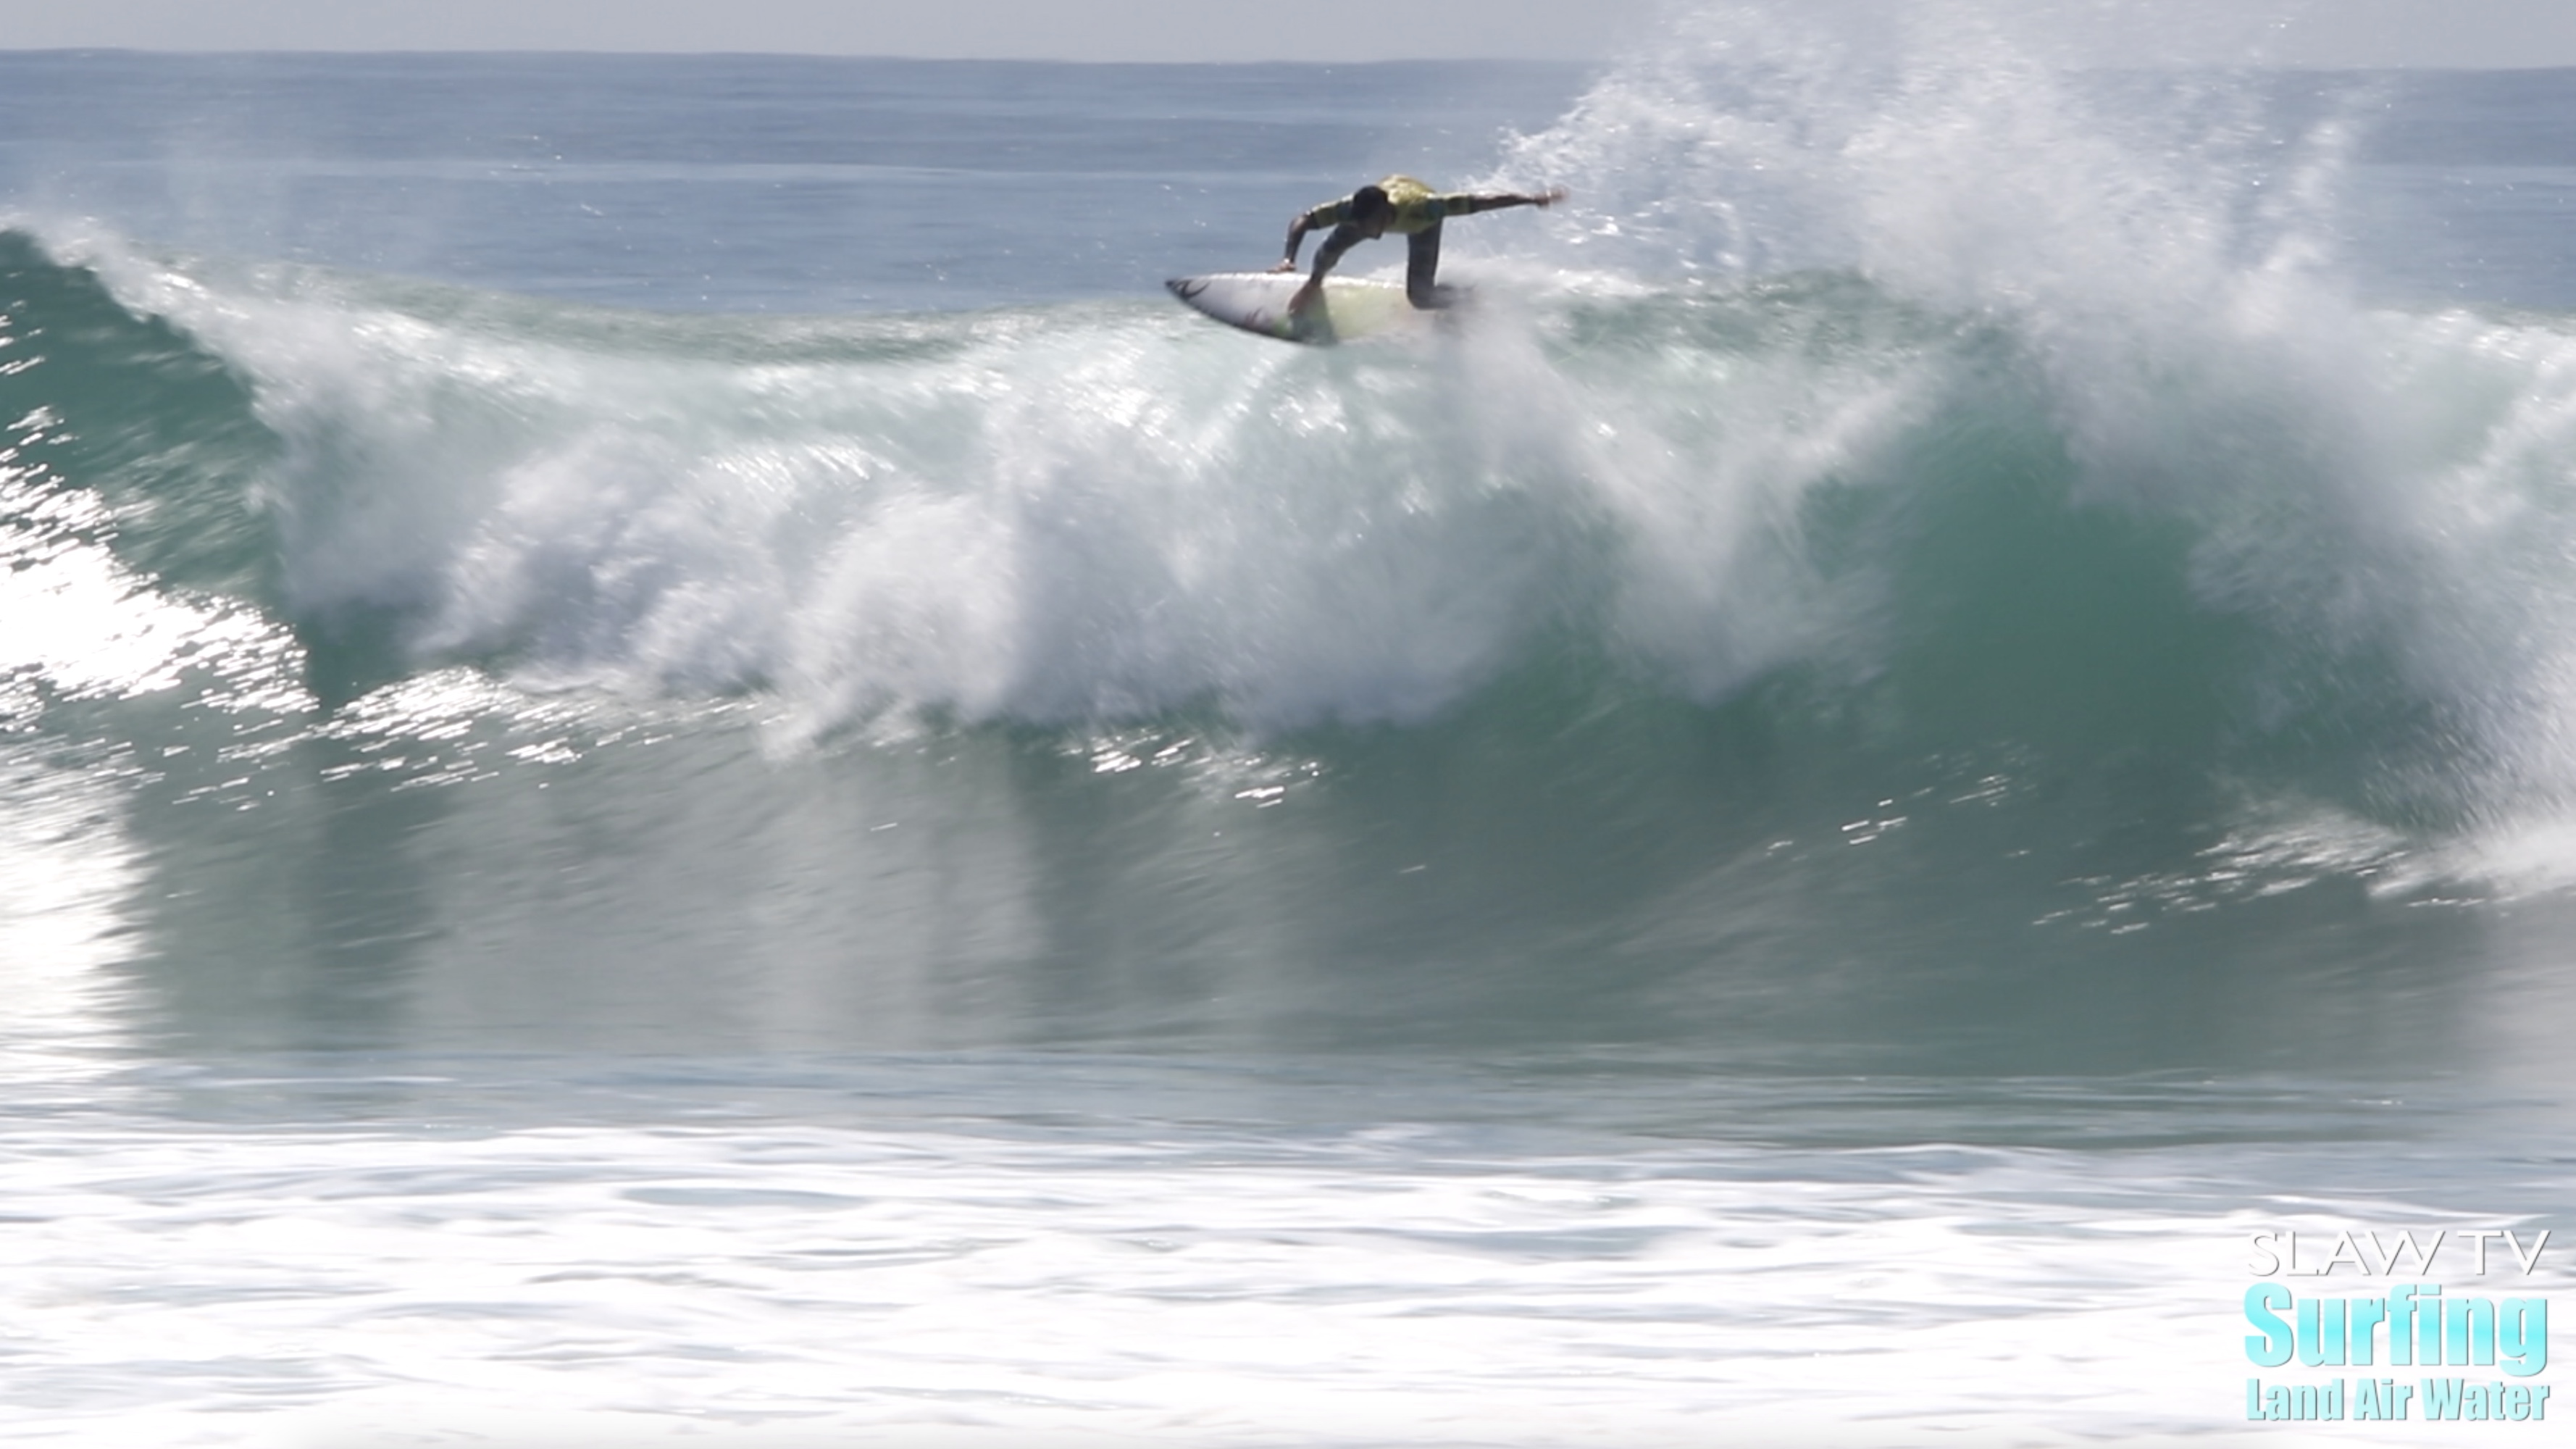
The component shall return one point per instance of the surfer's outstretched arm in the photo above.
(1497, 200)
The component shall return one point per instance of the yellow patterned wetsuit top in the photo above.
(1418, 208)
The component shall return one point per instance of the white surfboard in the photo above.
(1258, 302)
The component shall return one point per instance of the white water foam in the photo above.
(2363, 484)
(762, 1283)
(1096, 515)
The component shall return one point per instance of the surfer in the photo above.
(1398, 204)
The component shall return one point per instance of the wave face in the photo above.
(1921, 549)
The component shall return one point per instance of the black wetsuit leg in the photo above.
(1420, 264)
(1344, 237)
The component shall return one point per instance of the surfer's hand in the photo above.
(1548, 198)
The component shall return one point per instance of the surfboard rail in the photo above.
(1352, 309)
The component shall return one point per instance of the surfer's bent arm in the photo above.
(1329, 214)
(1345, 236)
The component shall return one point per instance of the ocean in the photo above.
(677, 764)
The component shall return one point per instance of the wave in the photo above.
(1986, 427)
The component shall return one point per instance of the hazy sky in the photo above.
(2298, 32)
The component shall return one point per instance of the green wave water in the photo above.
(1784, 667)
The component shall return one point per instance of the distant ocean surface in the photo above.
(678, 766)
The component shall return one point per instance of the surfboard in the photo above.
(1352, 310)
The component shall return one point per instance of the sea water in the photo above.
(680, 767)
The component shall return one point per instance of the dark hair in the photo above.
(1369, 202)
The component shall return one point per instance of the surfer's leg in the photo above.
(1420, 265)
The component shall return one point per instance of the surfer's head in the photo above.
(1370, 209)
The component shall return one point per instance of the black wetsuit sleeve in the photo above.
(1331, 213)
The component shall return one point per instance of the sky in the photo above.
(2472, 33)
